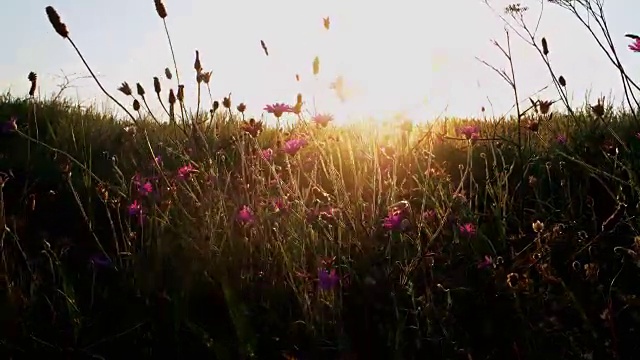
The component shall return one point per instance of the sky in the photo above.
(415, 59)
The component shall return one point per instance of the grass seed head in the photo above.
(160, 9)
(140, 89)
(58, 25)
(156, 85)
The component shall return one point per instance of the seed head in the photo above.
(206, 77)
(242, 107)
(172, 97)
(226, 102)
(160, 9)
(58, 25)
(180, 93)
(545, 47)
(136, 105)
(216, 105)
(125, 89)
(33, 78)
(538, 226)
(140, 89)
(156, 85)
(562, 81)
(598, 108)
(168, 74)
(197, 65)
(544, 106)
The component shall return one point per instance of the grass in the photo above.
(212, 236)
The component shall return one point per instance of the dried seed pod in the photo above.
(168, 73)
(172, 97)
(140, 89)
(125, 89)
(197, 65)
(156, 85)
(562, 81)
(545, 47)
(136, 105)
(180, 94)
(33, 78)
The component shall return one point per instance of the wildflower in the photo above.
(327, 280)
(532, 125)
(251, 127)
(635, 45)
(245, 215)
(125, 89)
(469, 131)
(393, 221)
(292, 146)
(538, 226)
(145, 189)
(10, 126)
(598, 109)
(186, 171)
(561, 139)
(157, 161)
(135, 208)
(467, 229)
(486, 262)
(278, 109)
(226, 102)
(267, 154)
(322, 119)
(242, 107)
(544, 106)
(279, 205)
(429, 216)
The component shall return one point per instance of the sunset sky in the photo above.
(415, 58)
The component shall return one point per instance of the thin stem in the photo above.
(98, 81)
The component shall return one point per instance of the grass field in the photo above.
(215, 236)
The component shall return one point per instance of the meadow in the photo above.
(203, 233)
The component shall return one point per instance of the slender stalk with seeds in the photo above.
(162, 12)
(61, 29)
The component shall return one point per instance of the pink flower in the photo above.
(157, 161)
(393, 221)
(146, 188)
(10, 126)
(429, 216)
(267, 154)
(186, 171)
(278, 109)
(328, 280)
(279, 205)
(467, 229)
(470, 132)
(245, 215)
(135, 208)
(635, 45)
(561, 139)
(486, 262)
(292, 147)
(322, 119)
